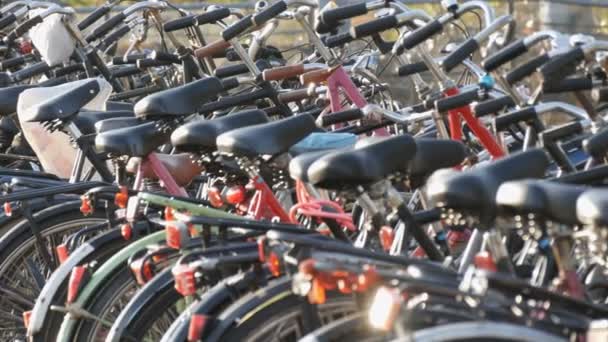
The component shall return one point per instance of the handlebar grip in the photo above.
(129, 59)
(179, 23)
(236, 100)
(230, 70)
(238, 27)
(460, 54)
(15, 61)
(138, 92)
(526, 69)
(338, 40)
(31, 71)
(114, 36)
(295, 95)
(374, 26)
(457, 101)
(341, 116)
(230, 83)
(421, 34)
(563, 65)
(281, 73)
(316, 76)
(70, 69)
(600, 94)
(212, 16)
(7, 20)
(151, 63)
(334, 15)
(269, 12)
(493, 106)
(528, 115)
(212, 49)
(567, 84)
(22, 28)
(323, 28)
(413, 68)
(165, 57)
(504, 55)
(93, 17)
(106, 27)
(126, 71)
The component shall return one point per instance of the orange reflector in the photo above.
(76, 281)
(62, 252)
(126, 231)
(141, 270)
(197, 327)
(185, 283)
(176, 234)
(484, 261)
(122, 197)
(274, 264)
(26, 318)
(169, 214)
(317, 293)
(235, 194)
(85, 206)
(8, 209)
(387, 235)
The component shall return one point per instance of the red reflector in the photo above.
(122, 197)
(25, 47)
(215, 197)
(185, 283)
(169, 214)
(85, 206)
(235, 194)
(197, 327)
(387, 235)
(317, 293)
(261, 252)
(274, 264)
(62, 252)
(141, 270)
(76, 278)
(8, 209)
(484, 261)
(126, 231)
(176, 234)
(26, 318)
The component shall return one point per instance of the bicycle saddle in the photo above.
(180, 166)
(298, 166)
(267, 139)
(474, 191)
(182, 100)
(9, 98)
(551, 200)
(202, 135)
(86, 121)
(137, 141)
(116, 123)
(364, 165)
(66, 100)
(592, 207)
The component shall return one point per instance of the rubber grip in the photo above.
(503, 121)
(126, 71)
(230, 70)
(504, 55)
(334, 15)
(212, 16)
(214, 48)
(460, 54)
(70, 69)
(130, 59)
(295, 95)
(316, 76)
(457, 101)
(374, 26)
(411, 69)
(179, 23)
(526, 69)
(341, 116)
(230, 83)
(7, 20)
(338, 40)
(15, 61)
(600, 94)
(562, 65)
(151, 63)
(567, 84)
(31, 71)
(106, 27)
(493, 106)
(421, 34)
(236, 100)
(165, 57)
(269, 13)
(93, 17)
(22, 28)
(238, 27)
(281, 73)
(114, 36)
(323, 28)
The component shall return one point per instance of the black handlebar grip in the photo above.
(567, 84)
(22, 28)
(493, 106)
(230, 70)
(179, 23)
(413, 68)
(341, 116)
(70, 69)
(526, 69)
(334, 15)
(323, 28)
(31, 71)
(421, 34)
(114, 36)
(374, 26)
(129, 59)
(165, 57)
(212, 16)
(338, 40)
(504, 55)
(460, 54)
(230, 83)
(528, 114)
(15, 61)
(563, 65)
(237, 27)
(126, 71)
(7, 20)
(151, 63)
(93, 17)
(457, 101)
(269, 12)
(106, 27)
(235, 100)
(600, 94)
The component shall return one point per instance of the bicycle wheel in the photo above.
(349, 328)
(26, 261)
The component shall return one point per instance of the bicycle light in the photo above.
(384, 308)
